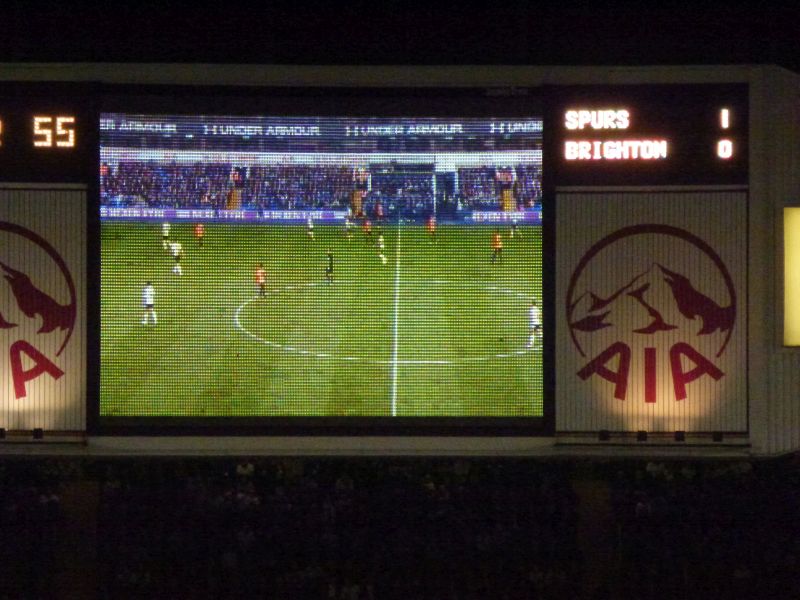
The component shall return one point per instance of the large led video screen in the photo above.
(345, 267)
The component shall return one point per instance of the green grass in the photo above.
(313, 349)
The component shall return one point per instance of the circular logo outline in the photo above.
(649, 228)
(34, 237)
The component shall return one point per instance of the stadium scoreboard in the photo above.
(651, 135)
(403, 236)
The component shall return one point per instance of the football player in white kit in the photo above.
(348, 228)
(149, 304)
(381, 249)
(535, 317)
(177, 251)
(165, 234)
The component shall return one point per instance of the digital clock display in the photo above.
(54, 131)
(47, 133)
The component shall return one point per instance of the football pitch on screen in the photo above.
(437, 330)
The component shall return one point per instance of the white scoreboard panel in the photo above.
(43, 305)
(651, 312)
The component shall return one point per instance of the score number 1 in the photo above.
(58, 131)
(725, 146)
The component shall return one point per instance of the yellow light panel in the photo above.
(791, 276)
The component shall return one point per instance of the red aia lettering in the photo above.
(42, 364)
(649, 374)
(681, 378)
(619, 377)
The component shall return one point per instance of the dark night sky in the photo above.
(383, 32)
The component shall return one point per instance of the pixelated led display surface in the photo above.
(650, 135)
(320, 266)
(54, 132)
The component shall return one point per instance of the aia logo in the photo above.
(37, 305)
(647, 303)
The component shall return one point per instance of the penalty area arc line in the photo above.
(394, 362)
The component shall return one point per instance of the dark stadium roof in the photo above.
(360, 32)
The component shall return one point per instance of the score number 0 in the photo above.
(725, 146)
(49, 130)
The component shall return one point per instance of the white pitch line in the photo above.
(425, 362)
(394, 362)
(396, 314)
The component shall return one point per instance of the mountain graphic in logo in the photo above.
(33, 301)
(652, 302)
(645, 280)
